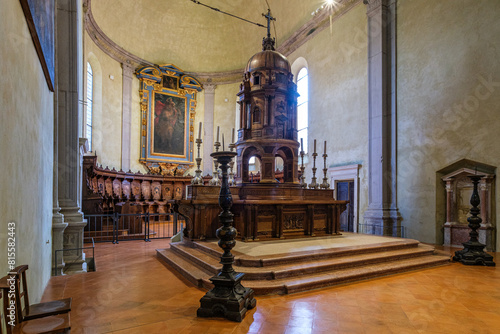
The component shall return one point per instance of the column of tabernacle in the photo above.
(228, 298)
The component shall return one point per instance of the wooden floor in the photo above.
(133, 292)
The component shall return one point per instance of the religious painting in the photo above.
(168, 108)
(40, 20)
(169, 82)
(169, 115)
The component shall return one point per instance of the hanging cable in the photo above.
(226, 13)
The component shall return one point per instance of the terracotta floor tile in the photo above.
(133, 292)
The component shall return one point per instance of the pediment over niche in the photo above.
(466, 164)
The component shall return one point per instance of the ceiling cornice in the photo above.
(318, 23)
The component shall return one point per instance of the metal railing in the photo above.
(137, 226)
(56, 267)
(392, 231)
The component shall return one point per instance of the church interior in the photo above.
(348, 120)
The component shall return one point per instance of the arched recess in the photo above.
(249, 152)
(97, 119)
(297, 65)
(300, 71)
(286, 154)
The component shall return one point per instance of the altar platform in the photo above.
(288, 266)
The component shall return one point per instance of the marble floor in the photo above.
(133, 292)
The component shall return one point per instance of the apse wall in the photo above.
(26, 148)
(107, 114)
(448, 102)
(338, 96)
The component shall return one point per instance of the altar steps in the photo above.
(300, 271)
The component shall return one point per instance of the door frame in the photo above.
(344, 174)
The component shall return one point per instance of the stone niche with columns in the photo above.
(458, 193)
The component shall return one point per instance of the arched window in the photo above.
(90, 88)
(302, 108)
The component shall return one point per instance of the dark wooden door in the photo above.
(345, 192)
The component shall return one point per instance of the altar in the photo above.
(262, 211)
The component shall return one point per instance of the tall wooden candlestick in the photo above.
(303, 183)
(228, 298)
(198, 178)
(325, 184)
(314, 184)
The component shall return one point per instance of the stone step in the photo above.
(304, 256)
(307, 266)
(335, 277)
(187, 269)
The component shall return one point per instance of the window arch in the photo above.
(302, 107)
(89, 105)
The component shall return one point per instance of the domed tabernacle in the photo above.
(268, 59)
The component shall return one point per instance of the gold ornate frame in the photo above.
(168, 104)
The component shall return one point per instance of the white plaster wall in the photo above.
(448, 101)
(26, 150)
(338, 95)
(224, 111)
(107, 116)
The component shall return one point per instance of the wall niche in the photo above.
(458, 193)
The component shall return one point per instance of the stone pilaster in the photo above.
(208, 126)
(69, 65)
(382, 214)
(128, 72)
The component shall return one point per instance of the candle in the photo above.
(301, 144)
(325, 146)
(223, 142)
(217, 133)
(199, 132)
(232, 139)
(314, 145)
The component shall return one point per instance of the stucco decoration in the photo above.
(168, 107)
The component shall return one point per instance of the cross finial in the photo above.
(269, 18)
(268, 43)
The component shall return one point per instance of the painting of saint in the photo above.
(169, 124)
(169, 82)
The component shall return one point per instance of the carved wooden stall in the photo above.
(108, 191)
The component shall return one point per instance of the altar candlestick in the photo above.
(217, 133)
(223, 142)
(199, 132)
(325, 146)
(301, 144)
(232, 138)
(314, 145)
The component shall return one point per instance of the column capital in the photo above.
(209, 88)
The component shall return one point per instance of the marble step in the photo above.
(342, 276)
(194, 274)
(308, 266)
(304, 256)
(200, 277)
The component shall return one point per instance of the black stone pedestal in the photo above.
(228, 298)
(473, 252)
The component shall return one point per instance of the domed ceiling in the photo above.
(193, 37)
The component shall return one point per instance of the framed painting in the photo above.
(40, 20)
(168, 107)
